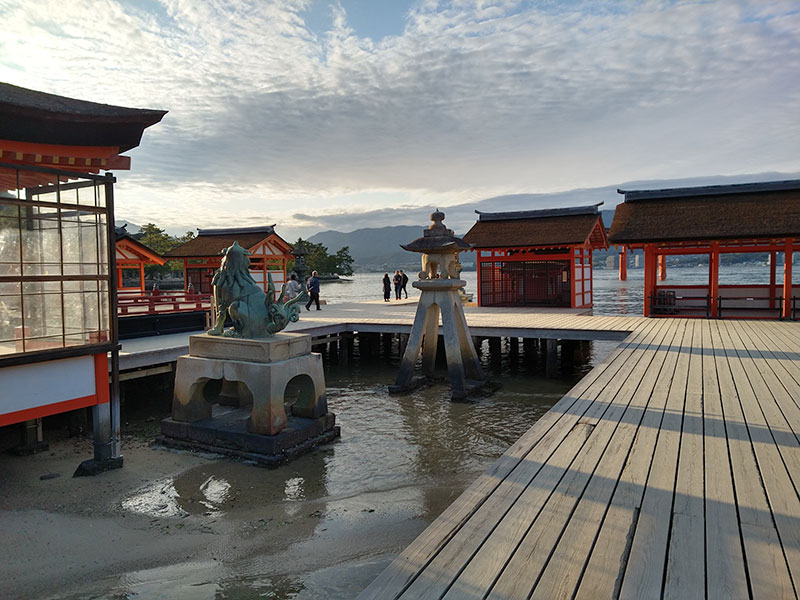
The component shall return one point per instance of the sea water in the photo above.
(325, 525)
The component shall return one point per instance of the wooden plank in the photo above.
(503, 518)
(767, 569)
(603, 574)
(544, 513)
(404, 570)
(685, 568)
(725, 573)
(565, 567)
(777, 481)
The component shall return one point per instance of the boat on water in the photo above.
(333, 279)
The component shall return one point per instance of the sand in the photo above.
(166, 526)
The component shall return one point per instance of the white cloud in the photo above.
(474, 99)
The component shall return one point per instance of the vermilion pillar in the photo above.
(713, 277)
(772, 278)
(623, 263)
(649, 278)
(662, 267)
(787, 281)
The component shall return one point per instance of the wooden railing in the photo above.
(158, 302)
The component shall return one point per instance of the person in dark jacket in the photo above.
(398, 283)
(313, 290)
(387, 287)
(404, 283)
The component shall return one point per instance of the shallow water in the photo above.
(325, 525)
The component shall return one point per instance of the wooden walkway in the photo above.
(670, 471)
(397, 317)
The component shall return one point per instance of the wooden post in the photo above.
(623, 263)
(495, 350)
(662, 267)
(787, 280)
(649, 278)
(551, 364)
(713, 279)
(773, 289)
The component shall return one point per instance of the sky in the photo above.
(320, 114)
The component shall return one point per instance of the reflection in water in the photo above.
(303, 530)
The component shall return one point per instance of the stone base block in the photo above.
(281, 346)
(226, 432)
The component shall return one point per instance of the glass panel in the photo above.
(9, 240)
(10, 315)
(44, 195)
(81, 312)
(102, 246)
(87, 195)
(42, 312)
(40, 241)
(101, 194)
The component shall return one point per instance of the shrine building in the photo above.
(202, 255)
(58, 261)
(713, 223)
(537, 257)
(132, 257)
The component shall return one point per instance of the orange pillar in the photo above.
(649, 278)
(787, 281)
(772, 278)
(713, 277)
(141, 277)
(662, 267)
(623, 263)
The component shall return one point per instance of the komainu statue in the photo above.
(236, 294)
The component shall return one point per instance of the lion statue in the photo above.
(237, 295)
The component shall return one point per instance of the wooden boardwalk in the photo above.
(670, 471)
(397, 317)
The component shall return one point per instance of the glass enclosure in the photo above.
(55, 281)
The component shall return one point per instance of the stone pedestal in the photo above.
(463, 366)
(255, 374)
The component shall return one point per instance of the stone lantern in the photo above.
(300, 253)
(440, 285)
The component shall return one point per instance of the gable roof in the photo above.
(538, 228)
(124, 241)
(211, 242)
(38, 117)
(742, 211)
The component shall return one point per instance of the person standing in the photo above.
(313, 290)
(398, 282)
(387, 287)
(404, 282)
(292, 288)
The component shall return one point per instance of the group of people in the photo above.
(400, 281)
(293, 288)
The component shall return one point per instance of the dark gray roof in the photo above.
(539, 214)
(41, 118)
(265, 229)
(711, 190)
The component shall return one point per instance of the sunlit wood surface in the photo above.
(670, 471)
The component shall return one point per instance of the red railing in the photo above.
(158, 302)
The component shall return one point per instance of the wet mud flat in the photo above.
(187, 525)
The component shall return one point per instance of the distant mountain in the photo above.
(375, 248)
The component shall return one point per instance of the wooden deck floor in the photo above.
(398, 317)
(670, 471)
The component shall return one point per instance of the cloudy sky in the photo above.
(317, 114)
